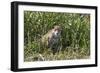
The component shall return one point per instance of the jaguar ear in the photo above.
(53, 27)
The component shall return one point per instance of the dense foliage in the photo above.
(75, 34)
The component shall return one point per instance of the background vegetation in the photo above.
(75, 35)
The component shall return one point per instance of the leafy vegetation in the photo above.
(75, 35)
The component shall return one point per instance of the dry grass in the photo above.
(67, 54)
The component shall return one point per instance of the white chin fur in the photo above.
(56, 32)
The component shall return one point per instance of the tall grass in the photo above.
(75, 35)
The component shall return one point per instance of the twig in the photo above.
(42, 58)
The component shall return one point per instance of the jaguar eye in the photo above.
(56, 29)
